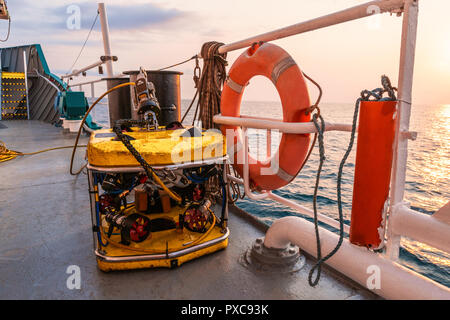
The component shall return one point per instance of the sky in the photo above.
(344, 59)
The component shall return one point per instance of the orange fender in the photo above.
(374, 154)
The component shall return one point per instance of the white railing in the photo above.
(91, 83)
(107, 59)
(402, 220)
(75, 73)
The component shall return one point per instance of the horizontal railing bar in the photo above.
(285, 127)
(420, 227)
(85, 83)
(301, 209)
(95, 81)
(354, 13)
(89, 67)
(308, 212)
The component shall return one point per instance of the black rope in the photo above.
(377, 95)
(9, 31)
(320, 130)
(117, 128)
(179, 63)
(84, 44)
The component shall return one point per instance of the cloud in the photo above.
(28, 15)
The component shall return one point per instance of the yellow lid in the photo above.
(163, 147)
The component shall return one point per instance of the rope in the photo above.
(377, 95)
(210, 83)
(234, 191)
(315, 106)
(84, 44)
(196, 78)
(320, 130)
(9, 31)
(177, 64)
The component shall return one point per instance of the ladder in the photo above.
(14, 103)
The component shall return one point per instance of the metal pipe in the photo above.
(159, 167)
(357, 263)
(303, 210)
(93, 206)
(418, 226)
(270, 195)
(235, 179)
(47, 80)
(247, 190)
(170, 255)
(353, 13)
(105, 35)
(406, 73)
(225, 181)
(87, 82)
(285, 127)
(25, 70)
(89, 67)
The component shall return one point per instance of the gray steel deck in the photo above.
(45, 227)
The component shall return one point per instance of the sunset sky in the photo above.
(156, 33)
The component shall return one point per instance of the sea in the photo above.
(427, 176)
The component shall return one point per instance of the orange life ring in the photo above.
(276, 64)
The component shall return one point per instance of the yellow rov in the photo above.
(162, 216)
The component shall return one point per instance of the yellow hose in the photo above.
(6, 154)
(84, 121)
(171, 194)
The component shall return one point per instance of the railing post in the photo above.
(106, 42)
(269, 143)
(25, 70)
(406, 72)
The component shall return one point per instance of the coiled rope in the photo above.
(210, 84)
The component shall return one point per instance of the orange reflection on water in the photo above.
(424, 251)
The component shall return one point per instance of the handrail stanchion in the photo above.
(269, 143)
(247, 189)
(406, 72)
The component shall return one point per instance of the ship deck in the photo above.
(45, 227)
